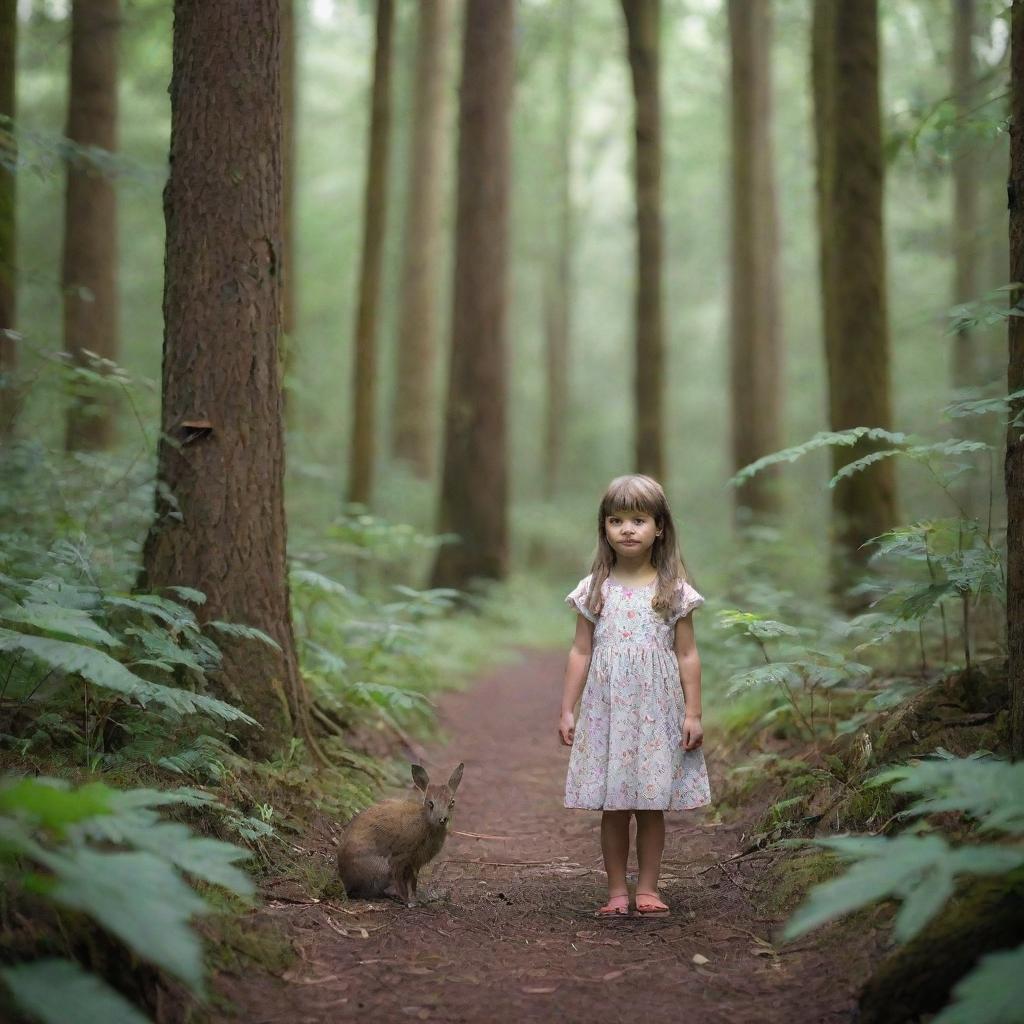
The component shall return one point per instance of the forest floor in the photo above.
(506, 930)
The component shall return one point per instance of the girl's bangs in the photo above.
(632, 494)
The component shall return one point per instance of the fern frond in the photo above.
(823, 439)
(103, 671)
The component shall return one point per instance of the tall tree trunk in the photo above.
(220, 522)
(414, 438)
(754, 348)
(1015, 381)
(89, 277)
(965, 369)
(643, 33)
(823, 88)
(8, 257)
(474, 482)
(289, 111)
(558, 279)
(363, 444)
(864, 505)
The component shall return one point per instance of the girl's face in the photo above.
(631, 533)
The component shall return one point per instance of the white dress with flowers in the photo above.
(626, 752)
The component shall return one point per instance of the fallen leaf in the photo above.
(699, 958)
(612, 974)
(545, 990)
(761, 951)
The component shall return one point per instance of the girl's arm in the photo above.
(689, 676)
(575, 677)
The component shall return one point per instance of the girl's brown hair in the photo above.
(639, 493)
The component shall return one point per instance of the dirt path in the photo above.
(509, 933)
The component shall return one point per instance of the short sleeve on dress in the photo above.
(684, 601)
(577, 599)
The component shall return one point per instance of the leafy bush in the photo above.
(109, 855)
(920, 869)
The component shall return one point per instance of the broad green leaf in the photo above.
(209, 859)
(139, 898)
(51, 804)
(59, 991)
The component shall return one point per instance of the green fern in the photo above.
(103, 671)
(57, 991)
(823, 439)
(136, 893)
(987, 789)
(918, 452)
(918, 870)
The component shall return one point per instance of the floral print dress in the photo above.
(626, 753)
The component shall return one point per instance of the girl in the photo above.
(637, 747)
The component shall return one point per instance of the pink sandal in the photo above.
(613, 909)
(651, 907)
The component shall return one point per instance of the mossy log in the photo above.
(985, 916)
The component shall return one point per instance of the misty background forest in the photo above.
(324, 324)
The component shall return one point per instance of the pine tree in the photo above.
(220, 522)
(89, 277)
(474, 483)
(363, 438)
(643, 25)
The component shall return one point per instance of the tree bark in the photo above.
(643, 30)
(558, 280)
(754, 348)
(289, 113)
(363, 443)
(823, 87)
(89, 278)
(864, 505)
(9, 398)
(220, 523)
(474, 484)
(414, 438)
(1015, 381)
(965, 369)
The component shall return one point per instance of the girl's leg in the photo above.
(650, 844)
(615, 847)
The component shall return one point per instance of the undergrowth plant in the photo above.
(920, 868)
(939, 580)
(109, 855)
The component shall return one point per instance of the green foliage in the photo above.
(920, 869)
(992, 993)
(823, 439)
(108, 854)
(57, 990)
(988, 790)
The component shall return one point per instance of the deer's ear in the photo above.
(420, 777)
(453, 782)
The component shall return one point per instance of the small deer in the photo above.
(387, 844)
